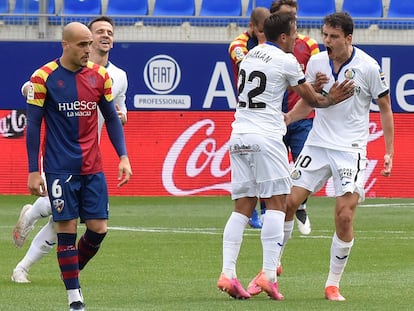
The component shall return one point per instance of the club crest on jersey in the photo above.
(58, 205)
(296, 174)
(92, 80)
(349, 73)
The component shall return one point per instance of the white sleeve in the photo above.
(310, 74)
(293, 71)
(377, 83)
(23, 87)
(120, 99)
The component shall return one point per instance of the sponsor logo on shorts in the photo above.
(296, 174)
(243, 149)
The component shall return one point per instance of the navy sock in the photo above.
(67, 255)
(88, 246)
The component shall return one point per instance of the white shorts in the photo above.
(315, 165)
(259, 166)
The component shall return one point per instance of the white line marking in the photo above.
(256, 232)
(387, 205)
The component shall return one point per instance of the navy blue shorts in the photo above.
(296, 135)
(74, 196)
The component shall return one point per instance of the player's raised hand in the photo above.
(320, 80)
(124, 171)
(341, 91)
(387, 165)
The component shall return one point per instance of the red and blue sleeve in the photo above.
(34, 122)
(114, 127)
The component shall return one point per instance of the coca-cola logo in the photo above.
(199, 153)
(13, 124)
(197, 163)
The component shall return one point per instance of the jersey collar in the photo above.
(335, 75)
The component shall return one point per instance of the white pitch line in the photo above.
(168, 230)
(387, 205)
(255, 232)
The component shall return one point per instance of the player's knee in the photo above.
(344, 217)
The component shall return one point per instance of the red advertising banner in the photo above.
(182, 153)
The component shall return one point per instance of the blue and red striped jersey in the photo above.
(68, 102)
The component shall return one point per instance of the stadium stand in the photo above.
(365, 13)
(225, 24)
(221, 8)
(257, 3)
(401, 8)
(77, 10)
(312, 12)
(126, 12)
(27, 12)
(400, 15)
(174, 8)
(174, 12)
(219, 12)
(4, 8)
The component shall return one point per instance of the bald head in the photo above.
(71, 29)
(258, 15)
(257, 19)
(76, 41)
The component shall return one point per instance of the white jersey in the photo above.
(345, 126)
(264, 75)
(119, 88)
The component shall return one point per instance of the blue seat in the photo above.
(174, 8)
(78, 11)
(4, 8)
(221, 8)
(126, 12)
(219, 12)
(27, 12)
(258, 3)
(399, 9)
(311, 13)
(365, 13)
(171, 13)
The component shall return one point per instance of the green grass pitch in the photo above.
(164, 253)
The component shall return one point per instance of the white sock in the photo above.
(232, 239)
(40, 209)
(272, 241)
(41, 245)
(340, 251)
(302, 206)
(74, 295)
(287, 229)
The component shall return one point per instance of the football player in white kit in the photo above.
(102, 29)
(336, 145)
(258, 156)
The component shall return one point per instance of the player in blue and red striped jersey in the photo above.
(102, 29)
(247, 40)
(65, 94)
